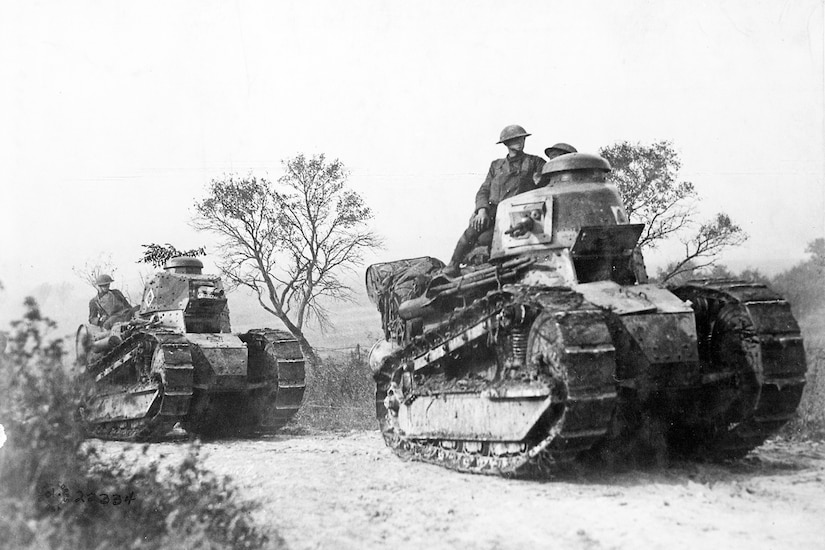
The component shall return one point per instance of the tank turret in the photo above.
(558, 346)
(184, 264)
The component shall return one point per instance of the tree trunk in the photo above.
(309, 353)
(306, 348)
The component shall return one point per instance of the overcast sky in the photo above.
(115, 115)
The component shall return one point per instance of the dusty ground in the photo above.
(349, 491)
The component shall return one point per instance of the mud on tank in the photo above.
(557, 345)
(176, 361)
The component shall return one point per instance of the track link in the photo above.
(156, 364)
(771, 347)
(285, 376)
(276, 378)
(564, 325)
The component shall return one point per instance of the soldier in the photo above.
(516, 173)
(552, 152)
(558, 150)
(109, 306)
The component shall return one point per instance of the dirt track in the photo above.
(349, 491)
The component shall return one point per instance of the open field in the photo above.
(346, 490)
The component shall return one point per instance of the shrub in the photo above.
(810, 420)
(48, 474)
(340, 395)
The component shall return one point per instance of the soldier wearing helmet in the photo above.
(558, 150)
(109, 306)
(516, 173)
(552, 152)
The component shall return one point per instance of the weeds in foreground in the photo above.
(57, 493)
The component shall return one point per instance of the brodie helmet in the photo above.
(563, 148)
(512, 132)
(103, 280)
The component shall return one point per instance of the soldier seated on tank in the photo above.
(110, 306)
(516, 173)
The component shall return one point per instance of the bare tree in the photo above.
(647, 179)
(701, 251)
(94, 268)
(289, 241)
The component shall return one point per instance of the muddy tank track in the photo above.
(563, 324)
(276, 381)
(752, 353)
(174, 386)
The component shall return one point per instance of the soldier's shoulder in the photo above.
(117, 293)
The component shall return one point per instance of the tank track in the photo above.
(276, 375)
(170, 405)
(588, 405)
(277, 408)
(771, 347)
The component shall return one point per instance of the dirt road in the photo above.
(349, 491)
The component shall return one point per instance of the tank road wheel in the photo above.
(142, 389)
(753, 369)
(562, 397)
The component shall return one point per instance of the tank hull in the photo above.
(212, 384)
(528, 379)
(557, 347)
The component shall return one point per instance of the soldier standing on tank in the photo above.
(109, 306)
(516, 173)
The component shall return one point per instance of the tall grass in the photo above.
(340, 395)
(810, 420)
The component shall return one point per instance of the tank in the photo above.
(553, 346)
(177, 361)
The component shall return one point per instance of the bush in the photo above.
(48, 474)
(810, 422)
(340, 395)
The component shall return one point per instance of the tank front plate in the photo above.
(220, 361)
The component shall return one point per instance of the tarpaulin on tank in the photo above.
(404, 279)
(389, 284)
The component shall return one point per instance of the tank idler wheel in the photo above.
(754, 365)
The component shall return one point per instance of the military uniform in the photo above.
(102, 308)
(507, 178)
